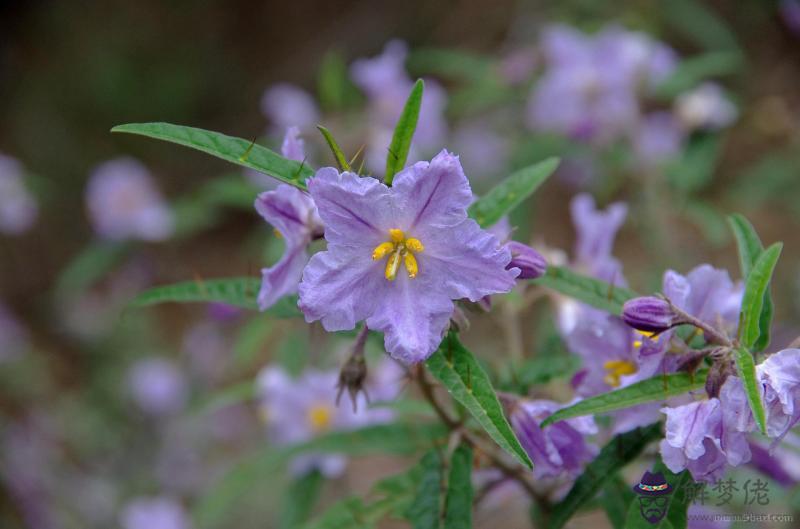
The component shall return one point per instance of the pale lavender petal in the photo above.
(154, 513)
(705, 107)
(286, 105)
(157, 386)
(283, 277)
(290, 211)
(293, 146)
(596, 229)
(18, 208)
(658, 139)
(780, 374)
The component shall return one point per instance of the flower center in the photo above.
(320, 417)
(616, 369)
(399, 248)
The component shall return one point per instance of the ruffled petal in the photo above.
(413, 315)
(282, 278)
(291, 212)
(434, 194)
(356, 211)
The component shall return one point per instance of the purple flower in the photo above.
(707, 293)
(18, 209)
(780, 376)
(707, 435)
(790, 13)
(657, 139)
(596, 230)
(649, 313)
(297, 410)
(295, 218)
(386, 84)
(124, 203)
(157, 386)
(705, 107)
(559, 449)
(158, 512)
(530, 262)
(484, 152)
(398, 256)
(286, 105)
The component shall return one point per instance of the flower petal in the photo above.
(291, 212)
(433, 194)
(293, 147)
(282, 278)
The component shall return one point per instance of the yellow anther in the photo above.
(396, 235)
(382, 250)
(392, 265)
(414, 245)
(616, 369)
(320, 417)
(645, 334)
(411, 265)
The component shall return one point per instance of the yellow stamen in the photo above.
(414, 245)
(320, 417)
(382, 250)
(616, 369)
(392, 265)
(645, 334)
(397, 236)
(411, 265)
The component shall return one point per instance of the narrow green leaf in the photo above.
(694, 170)
(458, 504)
(754, 292)
(397, 438)
(467, 382)
(616, 498)
(594, 292)
(510, 193)
(659, 387)
(341, 159)
(425, 511)
(617, 453)
(404, 133)
(91, 264)
(700, 24)
(299, 499)
(692, 71)
(235, 394)
(676, 516)
(234, 150)
(746, 368)
(750, 248)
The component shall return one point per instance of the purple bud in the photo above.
(529, 261)
(649, 314)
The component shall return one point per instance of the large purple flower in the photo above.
(294, 216)
(397, 257)
(561, 448)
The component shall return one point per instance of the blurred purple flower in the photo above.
(483, 151)
(596, 230)
(398, 256)
(705, 107)
(518, 66)
(589, 90)
(706, 436)
(559, 449)
(158, 512)
(297, 410)
(124, 203)
(387, 85)
(295, 218)
(657, 139)
(157, 386)
(13, 336)
(790, 13)
(286, 105)
(18, 208)
(207, 350)
(223, 312)
(707, 293)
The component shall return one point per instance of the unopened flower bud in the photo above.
(353, 374)
(529, 261)
(649, 314)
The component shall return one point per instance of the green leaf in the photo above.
(396, 438)
(238, 291)
(746, 368)
(235, 150)
(695, 168)
(235, 394)
(594, 292)
(676, 516)
(299, 499)
(691, 72)
(404, 133)
(341, 159)
(617, 495)
(467, 382)
(659, 387)
(754, 292)
(89, 266)
(621, 450)
(426, 510)
(750, 249)
(452, 64)
(510, 193)
(335, 89)
(700, 24)
(458, 504)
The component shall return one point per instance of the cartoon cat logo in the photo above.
(654, 493)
